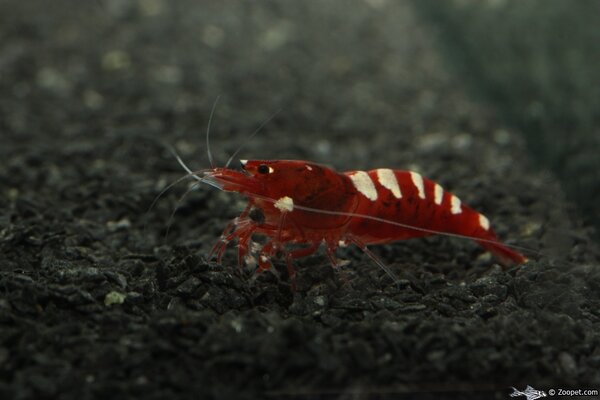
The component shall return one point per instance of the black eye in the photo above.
(263, 169)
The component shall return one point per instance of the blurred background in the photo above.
(535, 61)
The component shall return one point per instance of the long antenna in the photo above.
(210, 157)
(251, 136)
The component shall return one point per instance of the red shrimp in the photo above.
(299, 205)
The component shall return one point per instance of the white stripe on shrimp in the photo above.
(455, 205)
(388, 180)
(363, 183)
(418, 182)
(438, 194)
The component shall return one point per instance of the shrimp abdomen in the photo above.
(406, 205)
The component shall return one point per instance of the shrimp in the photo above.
(300, 205)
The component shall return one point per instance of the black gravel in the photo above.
(98, 301)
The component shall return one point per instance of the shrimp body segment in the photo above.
(303, 203)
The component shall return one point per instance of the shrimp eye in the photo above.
(263, 169)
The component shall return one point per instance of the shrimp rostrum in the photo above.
(299, 206)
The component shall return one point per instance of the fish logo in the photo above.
(529, 392)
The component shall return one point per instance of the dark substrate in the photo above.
(96, 303)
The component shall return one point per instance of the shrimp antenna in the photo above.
(190, 174)
(193, 174)
(183, 196)
(265, 122)
(210, 157)
(183, 165)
